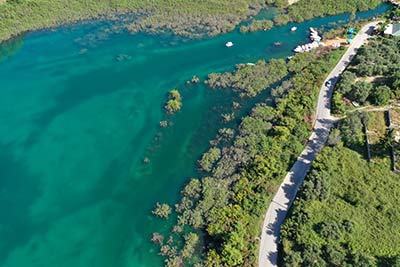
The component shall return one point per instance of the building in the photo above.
(393, 29)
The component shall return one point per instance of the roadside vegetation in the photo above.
(346, 214)
(373, 77)
(224, 209)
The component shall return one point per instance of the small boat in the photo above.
(293, 29)
(229, 44)
(298, 49)
(277, 43)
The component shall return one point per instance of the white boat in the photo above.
(229, 44)
(293, 29)
(298, 49)
(308, 47)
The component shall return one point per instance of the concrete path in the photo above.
(275, 216)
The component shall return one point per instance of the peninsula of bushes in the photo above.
(219, 215)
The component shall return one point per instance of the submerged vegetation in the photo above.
(224, 208)
(188, 18)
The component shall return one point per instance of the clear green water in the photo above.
(75, 125)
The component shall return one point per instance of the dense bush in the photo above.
(308, 9)
(250, 80)
(355, 224)
(257, 25)
(374, 75)
(174, 103)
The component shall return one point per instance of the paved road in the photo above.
(275, 216)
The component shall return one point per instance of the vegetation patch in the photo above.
(250, 80)
(174, 103)
(378, 132)
(187, 18)
(346, 214)
(308, 9)
(257, 25)
(377, 59)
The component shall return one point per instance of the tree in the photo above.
(174, 102)
(338, 106)
(192, 189)
(191, 241)
(334, 137)
(381, 95)
(213, 259)
(351, 129)
(293, 259)
(396, 261)
(162, 210)
(345, 84)
(173, 106)
(336, 254)
(360, 260)
(231, 256)
(209, 158)
(360, 91)
(174, 94)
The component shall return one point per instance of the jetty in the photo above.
(395, 2)
(316, 42)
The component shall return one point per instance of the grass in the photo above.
(377, 133)
(376, 125)
(395, 117)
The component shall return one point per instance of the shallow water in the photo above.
(76, 124)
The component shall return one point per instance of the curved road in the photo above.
(275, 216)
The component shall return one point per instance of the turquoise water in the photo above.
(76, 124)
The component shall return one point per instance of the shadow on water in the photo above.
(19, 190)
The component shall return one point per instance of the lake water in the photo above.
(76, 124)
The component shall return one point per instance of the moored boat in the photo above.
(229, 44)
